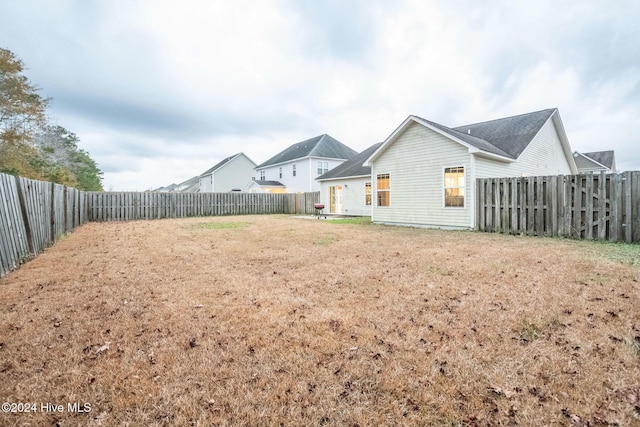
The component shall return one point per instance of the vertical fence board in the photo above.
(603, 214)
(589, 184)
(635, 207)
(615, 219)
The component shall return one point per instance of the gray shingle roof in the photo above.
(170, 187)
(269, 183)
(510, 134)
(352, 167)
(191, 185)
(507, 137)
(220, 164)
(605, 158)
(469, 139)
(583, 162)
(320, 146)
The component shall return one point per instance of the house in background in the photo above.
(257, 186)
(191, 185)
(168, 189)
(596, 161)
(424, 173)
(346, 189)
(232, 173)
(297, 167)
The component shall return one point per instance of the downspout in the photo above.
(472, 176)
(374, 190)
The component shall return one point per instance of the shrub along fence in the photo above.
(593, 206)
(34, 214)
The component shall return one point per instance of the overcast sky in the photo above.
(160, 91)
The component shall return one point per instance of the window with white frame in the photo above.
(262, 175)
(367, 194)
(280, 172)
(294, 170)
(454, 187)
(383, 189)
(323, 167)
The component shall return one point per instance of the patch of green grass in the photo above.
(220, 225)
(624, 253)
(365, 220)
(529, 332)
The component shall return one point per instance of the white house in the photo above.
(262, 186)
(424, 173)
(596, 161)
(346, 189)
(232, 173)
(298, 166)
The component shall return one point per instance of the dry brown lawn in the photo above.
(275, 320)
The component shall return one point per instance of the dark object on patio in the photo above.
(319, 207)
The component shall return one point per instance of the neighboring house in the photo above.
(346, 189)
(232, 173)
(596, 161)
(169, 188)
(192, 185)
(424, 173)
(298, 166)
(257, 186)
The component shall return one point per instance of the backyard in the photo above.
(275, 320)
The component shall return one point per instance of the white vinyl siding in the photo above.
(415, 163)
(353, 195)
(543, 156)
(206, 183)
(306, 173)
(235, 174)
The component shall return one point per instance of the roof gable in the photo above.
(603, 158)
(319, 146)
(352, 167)
(503, 139)
(224, 162)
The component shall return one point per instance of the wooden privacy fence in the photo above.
(593, 206)
(126, 206)
(34, 214)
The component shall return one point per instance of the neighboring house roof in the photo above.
(191, 185)
(267, 183)
(320, 146)
(352, 167)
(224, 162)
(166, 189)
(601, 158)
(504, 139)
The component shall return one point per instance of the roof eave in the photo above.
(343, 177)
(296, 160)
(407, 122)
(482, 153)
(564, 141)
